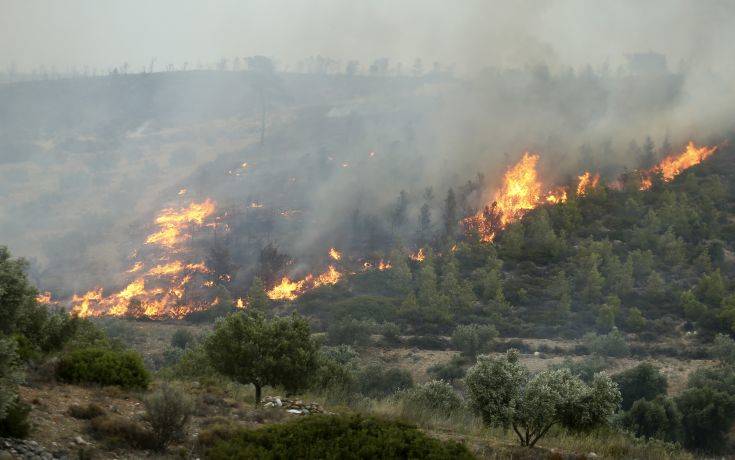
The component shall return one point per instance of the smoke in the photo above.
(86, 162)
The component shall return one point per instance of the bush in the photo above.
(342, 354)
(641, 382)
(347, 436)
(104, 367)
(449, 371)
(377, 381)
(612, 344)
(87, 412)
(473, 339)
(120, 432)
(350, 331)
(659, 418)
(182, 338)
(15, 423)
(335, 380)
(193, 364)
(428, 342)
(391, 332)
(586, 368)
(168, 411)
(434, 397)
(707, 416)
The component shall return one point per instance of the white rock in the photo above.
(278, 402)
(293, 411)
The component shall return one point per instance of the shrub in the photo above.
(104, 367)
(473, 339)
(87, 412)
(449, 371)
(168, 411)
(611, 344)
(436, 397)
(350, 331)
(428, 342)
(182, 338)
(347, 436)
(335, 380)
(193, 364)
(375, 380)
(118, 431)
(641, 382)
(15, 423)
(586, 368)
(723, 348)
(659, 418)
(10, 374)
(391, 332)
(504, 394)
(342, 354)
(707, 416)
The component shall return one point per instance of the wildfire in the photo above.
(287, 289)
(418, 256)
(335, 254)
(382, 265)
(256, 205)
(587, 182)
(43, 297)
(171, 222)
(674, 165)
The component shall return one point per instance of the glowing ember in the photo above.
(335, 254)
(419, 256)
(382, 265)
(587, 182)
(241, 303)
(43, 297)
(256, 205)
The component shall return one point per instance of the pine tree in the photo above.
(450, 216)
(257, 298)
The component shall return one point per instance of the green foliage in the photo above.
(391, 332)
(433, 397)
(104, 367)
(342, 354)
(167, 411)
(347, 436)
(643, 381)
(350, 331)
(193, 364)
(474, 339)
(17, 296)
(586, 368)
(120, 432)
(658, 418)
(257, 297)
(612, 344)
(10, 374)
(711, 289)
(15, 423)
(335, 380)
(377, 381)
(723, 348)
(504, 394)
(707, 416)
(253, 350)
(449, 371)
(182, 338)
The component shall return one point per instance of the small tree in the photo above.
(257, 297)
(168, 411)
(503, 393)
(659, 419)
(253, 350)
(641, 382)
(182, 338)
(473, 339)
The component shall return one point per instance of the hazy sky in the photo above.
(469, 33)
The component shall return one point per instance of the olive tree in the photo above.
(504, 393)
(251, 349)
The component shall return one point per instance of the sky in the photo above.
(471, 34)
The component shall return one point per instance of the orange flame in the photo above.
(171, 222)
(418, 256)
(44, 297)
(335, 254)
(287, 289)
(674, 165)
(587, 182)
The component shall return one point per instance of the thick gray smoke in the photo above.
(108, 111)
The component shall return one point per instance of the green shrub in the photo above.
(376, 381)
(104, 367)
(352, 436)
(707, 416)
(350, 331)
(434, 397)
(193, 364)
(87, 412)
(611, 344)
(182, 338)
(15, 423)
(343, 354)
(641, 382)
(473, 339)
(334, 380)
(391, 332)
(449, 371)
(659, 418)
(586, 368)
(168, 411)
(121, 432)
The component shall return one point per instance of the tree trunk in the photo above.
(257, 394)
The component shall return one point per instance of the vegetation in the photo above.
(251, 349)
(641, 382)
(504, 394)
(104, 367)
(345, 436)
(167, 411)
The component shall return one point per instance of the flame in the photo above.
(587, 182)
(520, 192)
(418, 256)
(44, 297)
(335, 254)
(182, 192)
(288, 289)
(674, 165)
(382, 265)
(241, 303)
(171, 222)
(256, 205)
(136, 268)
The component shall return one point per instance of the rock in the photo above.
(592, 455)
(278, 402)
(294, 411)
(79, 440)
